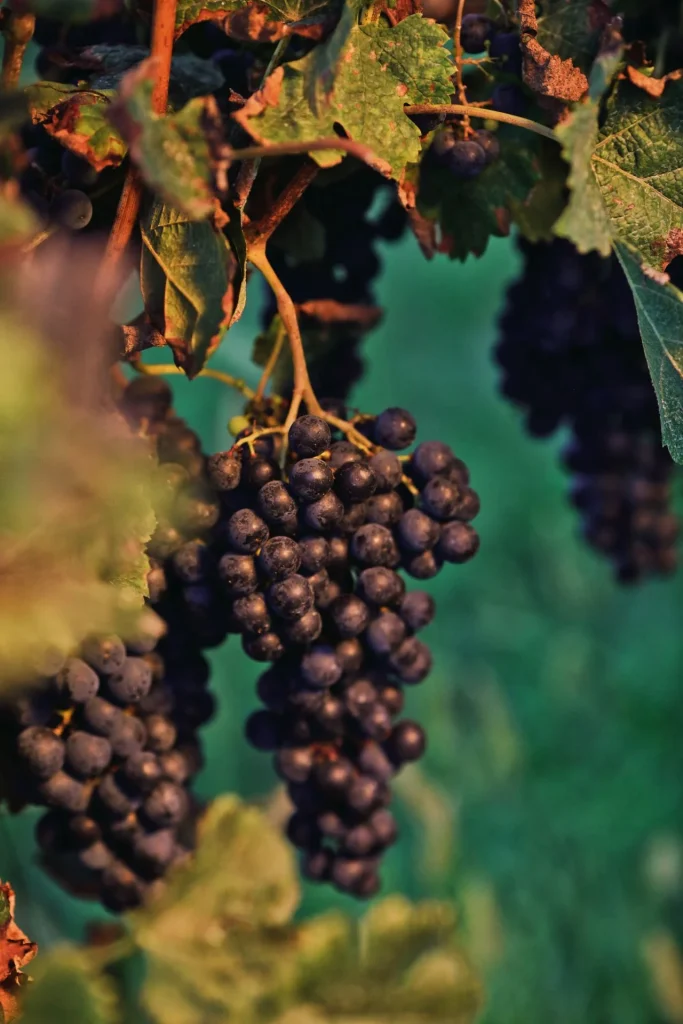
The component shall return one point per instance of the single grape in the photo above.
(128, 736)
(259, 471)
(175, 765)
(153, 852)
(112, 799)
(161, 733)
(132, 683)
(359, 841)
(334, 776)
(350, 615)
(294, 764)
(77, 681)
(360, 696)
(505, 47)
(417, 609)
(466, 159)
(250, 614)
(509, 99)
(279, 557)
(380, 586)
(42, 751)
(342, 452)
(166, 805)
(373, 761)
(412, 661)
(385, 509)
(290, 598)
(141, 772)
(121, 888)
(87, 755)
(320, 668)
(330, 713)
(106, 654)
(238, 574)
(416, 531)
(355, 481)
(331, 825)
(349, 654)
(224, 469)
(458, 542)
(71, 209)
(475, 32)
(440, 498)
(302, 831)
(192, 562)
(394, 429)
(316, 865)
(65, 793)
(246, 531)
(263, 730)
(309, 436)
(423, 566)
(372, 544)
(489, 143)
(387, 469)
(309, 479)
(406, 743)
(363, 794)
(376, 722)
(314, 552)
(429, 459)
(385, 633)
(304, 630)
(392, 698)
(324, 514)
(264, 647)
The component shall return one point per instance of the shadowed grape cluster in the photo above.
(571, 356)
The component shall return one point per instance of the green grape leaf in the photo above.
(536, 215)
(192, 281)
(172, 153)
(16, 951)
(660, 316)
(78, 119)
(470, 212)
(359, 79)
(256, 20)
(626, 178)
(572, 30)
(191, 76)
(400, 963)
(67, 988)
(215, 940)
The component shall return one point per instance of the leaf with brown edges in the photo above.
(16, 950)
(78, 119)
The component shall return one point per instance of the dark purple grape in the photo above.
(309, 479)
(316, 865)
(320, 668)
(294, 764)
(349, 654)
(238, 573)
(350, 615)
(112, 799)
(406, 743)
(166, 805)
(505, 47)
(387, 469)
(263, 647)
(509, 99)
(324, 514)
(385, 509)
(489, 143)
(363, 793)
(429, 459)
(385, 633)
(338, 554)
(417, 609)
(372, 544)
(65, 793)
(380, 586)
(71, 209)
(246, 531)
(359, 841)
(342, 452)
(423, 566)
(355, 481)
(331, 825)
(305, 630)
(458, 542)
(383, 825)
(416, 531)
(309, 436)
(279, 557)
(394, 429)
(259, 471)
(302, 831)
(77, 681)
(374, 762)
(161, 734)
(250, 614)
(224, 470)
(106, 654)
(314, 552)
(141, 772)
(360, 696)
(440, 498)
(290, 598)
(153, 852)
(263, 730)
(42, 752)
(412, 661)
(132, 683)
(121, 888)
(333, 776)
(128, 736)
(175, 766)
(192, 562)
(87, 755)
(475, 32)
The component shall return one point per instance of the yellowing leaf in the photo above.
(78, 119)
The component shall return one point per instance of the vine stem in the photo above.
(357, 149)
(488, 115)
(457, 46)
(261, 230)
(303, 389)
(18, 32)
(163, 29)
(271, 362)
(167, 369)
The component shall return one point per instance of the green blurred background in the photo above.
(550, 801)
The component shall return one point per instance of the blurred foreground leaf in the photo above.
(67, 990)
(16, 950)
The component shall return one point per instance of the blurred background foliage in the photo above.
(549, 805)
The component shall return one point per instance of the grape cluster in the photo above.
(356, 213)
(302, 563)
(573, 357)
(108, 743)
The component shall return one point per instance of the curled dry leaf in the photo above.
(652, 86)
(16, 950)
(330, 311)
(549, 75)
